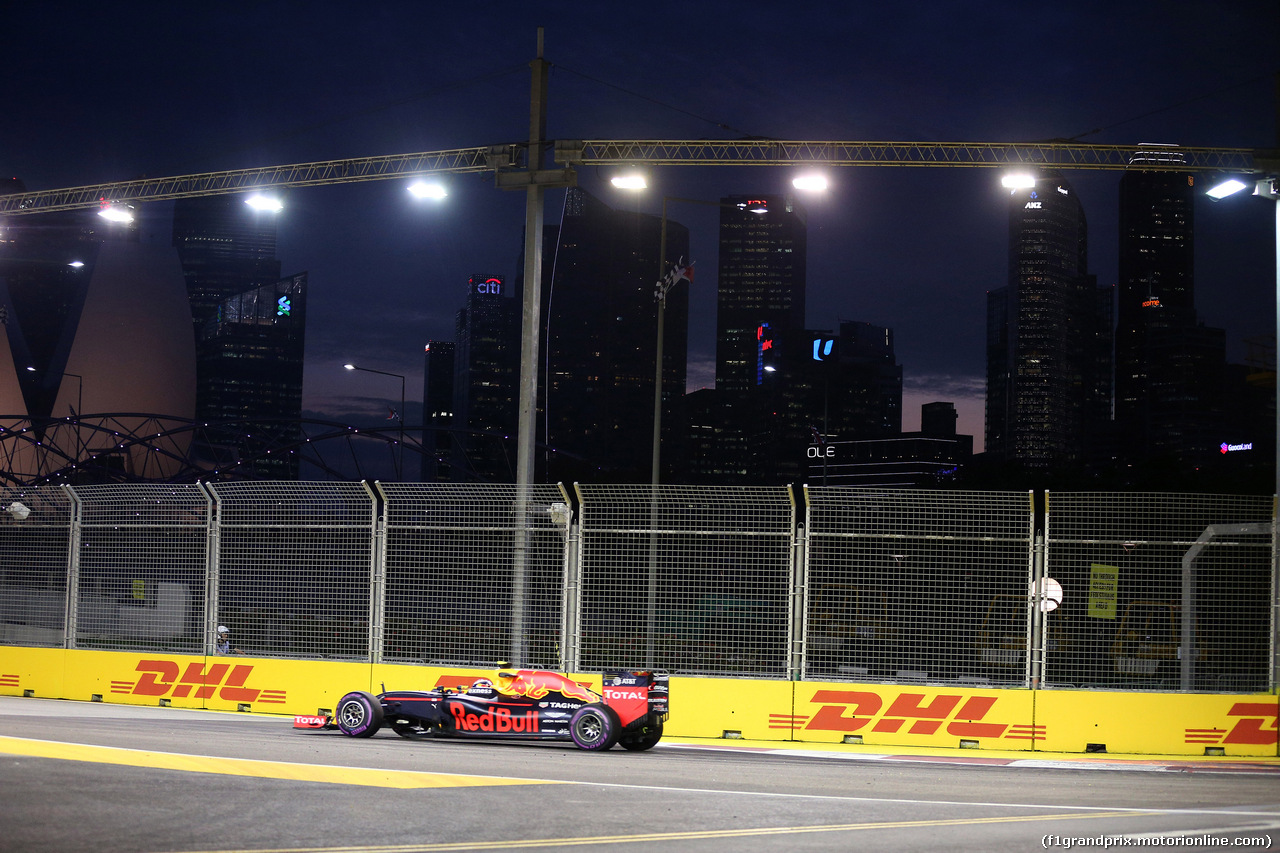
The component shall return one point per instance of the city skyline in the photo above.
(910, 249)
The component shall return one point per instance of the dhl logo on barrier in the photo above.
(862, 711)
(166, 678)
(1249, 730)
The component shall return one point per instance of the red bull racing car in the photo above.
(526, 704)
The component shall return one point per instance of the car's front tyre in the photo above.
(594, 727)
(358, 714)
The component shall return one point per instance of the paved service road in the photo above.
(106, 778)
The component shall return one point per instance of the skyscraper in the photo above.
(759, 406)
(761, 284)
(1170, 370)
(486, 382)
(857, 383)
(601, 337)
(226, 248)
(1048, 330)
(437, 411)
(249, 371)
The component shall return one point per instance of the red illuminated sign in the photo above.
(764, 343)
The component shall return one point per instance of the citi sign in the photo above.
(489, 285)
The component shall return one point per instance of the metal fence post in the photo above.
(212, 561)
(797, 620)
(1035, 616)
(571, 593)
(377, 570)
(71, 614)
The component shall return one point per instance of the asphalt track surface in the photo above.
(92, 777)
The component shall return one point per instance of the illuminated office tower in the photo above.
(486, 382)
(249, 376)
(600, 268)
(759, 405)
(226, 247)
(761, 282)
(1170, 369)
(1048, 337)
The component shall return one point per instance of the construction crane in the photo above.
(510, 166)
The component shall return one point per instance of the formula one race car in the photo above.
(525, 704)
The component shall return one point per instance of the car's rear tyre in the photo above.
(359, 714)
(646, 739)
(594, 727)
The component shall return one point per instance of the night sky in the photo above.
(107, 92)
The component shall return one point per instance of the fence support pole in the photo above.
(71, 612)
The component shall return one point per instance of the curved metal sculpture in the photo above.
(132, 447)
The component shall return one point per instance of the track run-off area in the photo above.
(100, 777)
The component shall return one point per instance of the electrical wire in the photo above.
(454, 86)
(1175, 106)
(655, 101)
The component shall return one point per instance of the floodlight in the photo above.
(810, 182)
(629, 181)
(1018, 181)
(1222, 189)
(269, 204)
(116, 212)
(422, 189)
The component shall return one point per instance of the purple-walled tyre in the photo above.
(359, 714)
(594, 727)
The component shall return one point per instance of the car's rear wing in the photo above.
(637, 697)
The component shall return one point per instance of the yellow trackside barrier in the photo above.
(1166, 723)
(37, 671)
(883, 715)
(712, 707)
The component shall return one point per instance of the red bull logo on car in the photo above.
(498, 720)
(529, 684)
(536, 684)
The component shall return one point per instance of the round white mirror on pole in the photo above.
(1047, 593)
